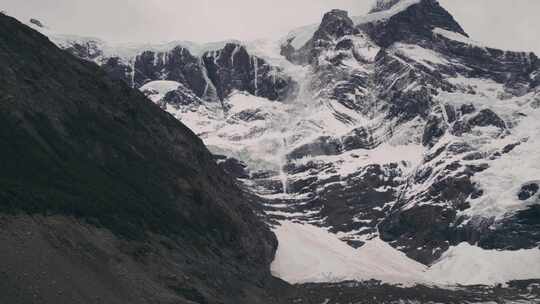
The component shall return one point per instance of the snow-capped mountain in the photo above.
(389, 146)
(211, 71)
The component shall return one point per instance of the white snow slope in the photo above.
(307, 253)
(156, 90)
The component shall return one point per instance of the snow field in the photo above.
(310, 254)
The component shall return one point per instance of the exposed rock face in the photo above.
(335, 24)
(83, 146)
(514, 69)
(434, 129)
(233, 68)
(180, 97)
(321, 146)
(419, 71)
(232, 166)
(211, 76)
(527, 191)
(413, 24)
(177, 65)
(486, 118)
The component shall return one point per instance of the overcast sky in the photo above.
(508, 24)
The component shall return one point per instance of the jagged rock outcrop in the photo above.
(212, 76)
(414, 23)
(182, 96)
(176, 65)
(233, 68)
(335, 24)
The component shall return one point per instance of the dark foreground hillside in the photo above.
(105, 198)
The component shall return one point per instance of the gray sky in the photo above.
(508, 24)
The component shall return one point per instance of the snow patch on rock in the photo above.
(456, 37)
(470, 265)
(384, 15)
(159, 88)
(426, 57)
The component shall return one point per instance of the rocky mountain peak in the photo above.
(407, 21)
(335, 24)
(335, 14)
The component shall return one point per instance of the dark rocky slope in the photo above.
(105, 198)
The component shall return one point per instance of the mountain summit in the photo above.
(408, 21)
